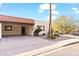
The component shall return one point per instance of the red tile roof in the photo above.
(16, 19)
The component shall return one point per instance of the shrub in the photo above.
(57, 35)
(51, 36)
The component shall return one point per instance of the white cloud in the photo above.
(53, 17)
(44, 7)
(75, 9)
(40, 11)
(55, 12)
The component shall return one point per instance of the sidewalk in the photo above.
(71, 50)
(42, 51)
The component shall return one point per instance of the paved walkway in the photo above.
(16, 45)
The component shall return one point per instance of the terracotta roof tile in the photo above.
(16, 19)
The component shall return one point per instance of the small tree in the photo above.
(63, 24)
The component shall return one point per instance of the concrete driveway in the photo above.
(16, 45)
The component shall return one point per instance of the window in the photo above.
(8, 28)
(41, 27)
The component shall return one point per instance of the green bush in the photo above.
(51, 36)
(57, 35)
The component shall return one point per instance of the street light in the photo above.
(50, 18)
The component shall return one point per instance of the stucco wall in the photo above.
(16, 29)
(29, 29)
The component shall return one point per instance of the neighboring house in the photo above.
(10, 25)
(44, 25)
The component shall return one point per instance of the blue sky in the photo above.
(39, 11)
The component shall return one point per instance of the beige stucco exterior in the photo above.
(16, 29)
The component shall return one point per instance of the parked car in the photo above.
(42, 33)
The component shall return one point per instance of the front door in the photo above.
(23, 30)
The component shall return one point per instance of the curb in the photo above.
(48, 48)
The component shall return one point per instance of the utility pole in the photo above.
(50, 18)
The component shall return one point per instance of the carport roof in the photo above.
(5, 18)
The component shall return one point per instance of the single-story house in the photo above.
(10, 26)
